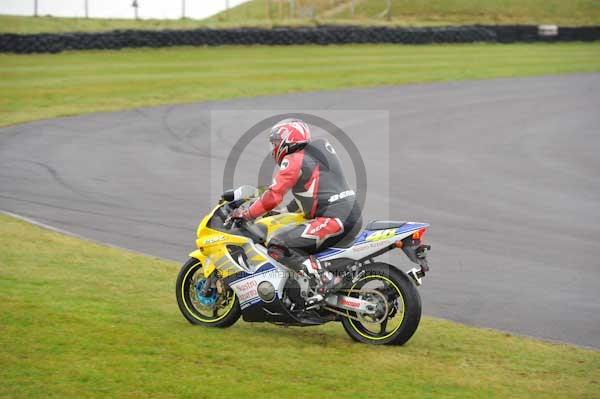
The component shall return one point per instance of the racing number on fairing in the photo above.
(381, 235)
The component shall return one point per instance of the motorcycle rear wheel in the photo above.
(220, 311)
(403, 298)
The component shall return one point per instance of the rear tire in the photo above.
(403, 295)
(193, 310)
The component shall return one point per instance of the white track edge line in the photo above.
(79, 236)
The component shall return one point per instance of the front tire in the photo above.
(404, 301)
(219, 310)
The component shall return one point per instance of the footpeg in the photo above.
(314, 300)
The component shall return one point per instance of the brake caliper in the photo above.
(207, 300)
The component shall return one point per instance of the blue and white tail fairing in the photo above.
(370, 241)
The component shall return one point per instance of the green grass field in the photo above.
(80, 320)
(366, 12)
(45, 86)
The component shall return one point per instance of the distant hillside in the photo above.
(418, 12)
(362, 12)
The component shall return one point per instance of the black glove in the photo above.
(236, 217)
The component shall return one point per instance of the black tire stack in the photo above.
(320, 35)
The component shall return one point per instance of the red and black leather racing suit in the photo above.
(315, 176)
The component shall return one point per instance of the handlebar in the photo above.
(241, 224)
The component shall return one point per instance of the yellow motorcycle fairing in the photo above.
(276, 222)
(212, 244)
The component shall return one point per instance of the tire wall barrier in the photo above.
(321, 35)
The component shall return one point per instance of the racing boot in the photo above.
(322, 281)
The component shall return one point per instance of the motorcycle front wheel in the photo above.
(213, 310)
(403, 307)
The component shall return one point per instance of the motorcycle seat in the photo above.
(350, 238)
(346, 242)
(383, 224)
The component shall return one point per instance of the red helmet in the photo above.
(287, 136)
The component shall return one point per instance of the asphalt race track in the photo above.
(506, 171)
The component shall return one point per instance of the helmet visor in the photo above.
(275, 141)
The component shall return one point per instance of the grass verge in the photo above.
(45, 86)
(82, 320)
(48, 24)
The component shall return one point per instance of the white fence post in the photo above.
(135, 6)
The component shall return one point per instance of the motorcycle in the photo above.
(230, 274)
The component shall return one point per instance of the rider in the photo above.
(312, 170)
